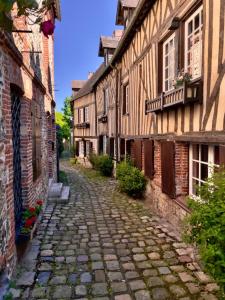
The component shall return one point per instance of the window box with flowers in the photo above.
(30, 219)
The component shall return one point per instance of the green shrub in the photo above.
(102, 163)
(131, 180)
(105, 165)
(205, 226)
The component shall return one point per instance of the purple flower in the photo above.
(47, 27)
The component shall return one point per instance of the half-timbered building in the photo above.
(163, 90)
(171, 108)
(84, 117)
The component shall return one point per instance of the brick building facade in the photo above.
(27, 126)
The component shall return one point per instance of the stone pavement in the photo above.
(102, 245)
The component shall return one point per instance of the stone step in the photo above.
(50, 182)
(55, 190)
(64, 197)
(65, 193)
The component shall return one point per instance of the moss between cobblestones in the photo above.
(91, 174)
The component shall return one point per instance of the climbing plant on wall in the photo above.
(29, 8)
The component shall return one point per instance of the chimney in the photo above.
(90, 74)
(118, 34)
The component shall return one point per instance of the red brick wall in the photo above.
(16, 69)
(172, 209)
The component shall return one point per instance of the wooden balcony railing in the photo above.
(189, 92)
(84, 125)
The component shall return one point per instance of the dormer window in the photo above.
(125, 10)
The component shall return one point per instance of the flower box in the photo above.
(31, 219)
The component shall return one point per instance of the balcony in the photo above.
(103, 119)
(189, 92)
(84, 125)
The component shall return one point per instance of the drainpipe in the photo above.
(116, 112)
(96, 121)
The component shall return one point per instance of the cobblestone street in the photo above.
(101, 245)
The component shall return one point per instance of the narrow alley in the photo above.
(102, 245)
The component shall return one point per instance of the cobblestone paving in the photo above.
(101, 245)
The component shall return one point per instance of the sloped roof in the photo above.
(89, 85)
(57, 9)
(121, 5)
(139, 15)
(107, 42)
(78, 84)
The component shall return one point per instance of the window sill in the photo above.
(126, 115)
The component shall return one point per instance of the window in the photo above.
(104, 144)
(36, 139)
(80, 115)
(125, 98)
(86, 114)
(193, 44)
(81, 149)
(168, 63)
(106, 101)
(87, 148)
(203, 161)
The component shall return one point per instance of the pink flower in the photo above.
(47, 27)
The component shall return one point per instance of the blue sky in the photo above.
(77, 41)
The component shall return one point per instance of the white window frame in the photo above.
(187, 36)
(81, 148)
(86, 114)
(211, 164)
(87, 148)
(171, 63)
(104, 144)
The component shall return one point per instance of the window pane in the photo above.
(196, 152)
(190, 28)
(216, 155)
(195, 185)
(197, 21)
(195, 169)
(204, 172)
(204, 153)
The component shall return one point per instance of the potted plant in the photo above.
(181, 78)
(29, 221)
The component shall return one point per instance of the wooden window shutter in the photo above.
(160, 68)
(91, 147)
(77, 148)
(149, 159)
(122, 148)
(100, 144)
(181, 46)
(128, 147)
(112, 147)
(138, 154)
(222, 155)
(168, 168)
